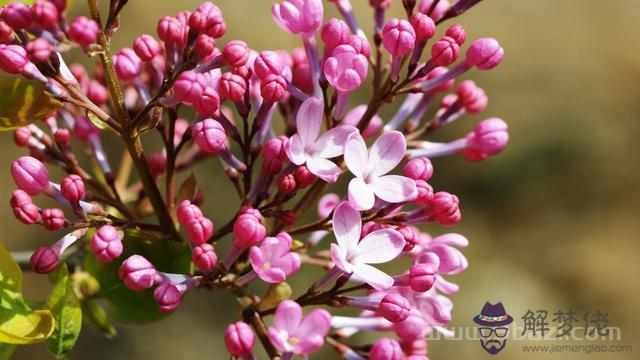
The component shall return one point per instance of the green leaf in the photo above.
(138, 306)
(188, 188)
(23, 102)
(7, 350)
(96, 315)
(18, 323)
(65, 307)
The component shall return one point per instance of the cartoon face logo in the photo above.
(493, 321)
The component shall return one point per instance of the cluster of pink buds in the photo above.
(279, 125)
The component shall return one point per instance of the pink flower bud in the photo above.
(170, 30)
(189, 87)
(62, 136)
(398, 37)
(268, 63)
(208, 19)
(489, 137)
(127, 64)
(244, 72)
(394, 307)
(346, 69)
(239, 339)
(168, 297)
(72, 188)
(204, 48)
(146, 47)
(204, 257)
(21, 136)
(302, 17)
(107, 244)
(287, 184)
(248, 231)
(275, 148)
(445, 208)
(187, 211)
(457, 33)
(386, 349)
(485, 53)
(44, 260)
(236, 53)
(30, 175)
(273, 88)
(425, 193)
(249, 210)
(414, 327)
(334, 33)
(199, 229)
(84, 31)
(52, 219)
(369, 227)
(438, 12)
(27, 213)
(301, 70)
(440, 70)
(84, 130)
(157, 164)
(17, 15)
(39, 50)
(304, 177)
(444, 52)
(410, 235)
(422, 276)
(19, 198)
(13, 58)
(209, 135)
(208, 103)
(97, 93)
(137, 273)
(415, 349)
(360, 44)
(423, 26)
(6, 33)
(45, 14)
(60, 4)
(380, 4)
(418, 169)
(472, 97)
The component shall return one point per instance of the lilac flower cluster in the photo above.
(238, 94)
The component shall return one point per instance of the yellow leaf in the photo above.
(10, 273)
(28, 328)
(23, 102)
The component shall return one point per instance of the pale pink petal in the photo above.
(379, 247)
(356, 156)
(387, 152)
(295, 150)
(324, 169)
(271, 275)
(309, 345)
(361, 194)
(256, 257)
(347, 225)
(378, 279)
(280, 339)
(289, 263)
(273, 248)
(445, 286)
(309, 120)
(339, 257)
(288, 316)
(331, 143)
(394, 188)
(317, 322)
(452, 261)
(452, 239)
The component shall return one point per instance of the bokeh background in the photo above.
(552, 221)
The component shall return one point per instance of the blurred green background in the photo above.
(552, 221)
